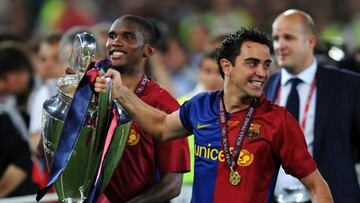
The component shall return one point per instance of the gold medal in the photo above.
(234, 177)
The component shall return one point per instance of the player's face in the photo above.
(125, 45)
(292, 46)
(251, 70)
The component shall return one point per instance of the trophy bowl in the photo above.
(75, 181)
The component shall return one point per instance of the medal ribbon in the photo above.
(307, 103)
(231, 161)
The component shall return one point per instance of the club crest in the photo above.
(253, 131)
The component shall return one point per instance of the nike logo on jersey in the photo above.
(199, 126)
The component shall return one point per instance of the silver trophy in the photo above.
(75, 182)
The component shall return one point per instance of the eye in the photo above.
(289, 37)
(111, 35)
(267, 64)
(252, 63)
(129, 36)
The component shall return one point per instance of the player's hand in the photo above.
(116, 85)
(69, 71)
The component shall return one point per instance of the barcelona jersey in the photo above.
(145, 157)
(273, 138)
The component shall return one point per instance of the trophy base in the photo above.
(72, 200)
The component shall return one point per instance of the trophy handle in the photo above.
(83, 52)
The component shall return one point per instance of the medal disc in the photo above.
(234, 178)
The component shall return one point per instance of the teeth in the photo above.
(117, 53)
(256, 83)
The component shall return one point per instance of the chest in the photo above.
(258, 140)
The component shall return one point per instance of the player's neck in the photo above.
(131, 81)
(234, 103)
(235, 99)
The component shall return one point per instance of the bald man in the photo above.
(325, 101)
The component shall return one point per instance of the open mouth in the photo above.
(256, 83)
(116, 54)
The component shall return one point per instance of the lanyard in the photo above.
(231, 161)
(307, 103)
(141, 86)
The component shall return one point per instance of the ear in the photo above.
(149, 50)
(312, 40)
(225, 66)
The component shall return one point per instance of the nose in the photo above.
(280, 43)
(262, 71)
(117, 42)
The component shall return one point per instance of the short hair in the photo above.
(53, 38)
(13, 59)
(231, 46)
(151, 34)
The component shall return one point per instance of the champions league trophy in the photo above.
(75, 182)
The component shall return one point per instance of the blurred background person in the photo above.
(15, 155)
(209, 78)
(100, 31)
(174, 59)
(52, 68)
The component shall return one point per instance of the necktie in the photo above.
(293, 103)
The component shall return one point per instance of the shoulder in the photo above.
(158, 97)
(337, 73)
(205, 98)
(271, 111)
(268, 106)
(338, 80)
(203, 102)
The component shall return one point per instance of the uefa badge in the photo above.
(133, 138)
(245, 158)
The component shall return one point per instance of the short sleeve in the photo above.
(184, 113)
(292, 149)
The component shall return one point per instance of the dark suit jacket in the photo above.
(337, 128)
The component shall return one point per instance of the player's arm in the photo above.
(167, 188)
(317, 187)
(155, 122)
(11, 179)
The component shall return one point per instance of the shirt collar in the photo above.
(306, 75)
